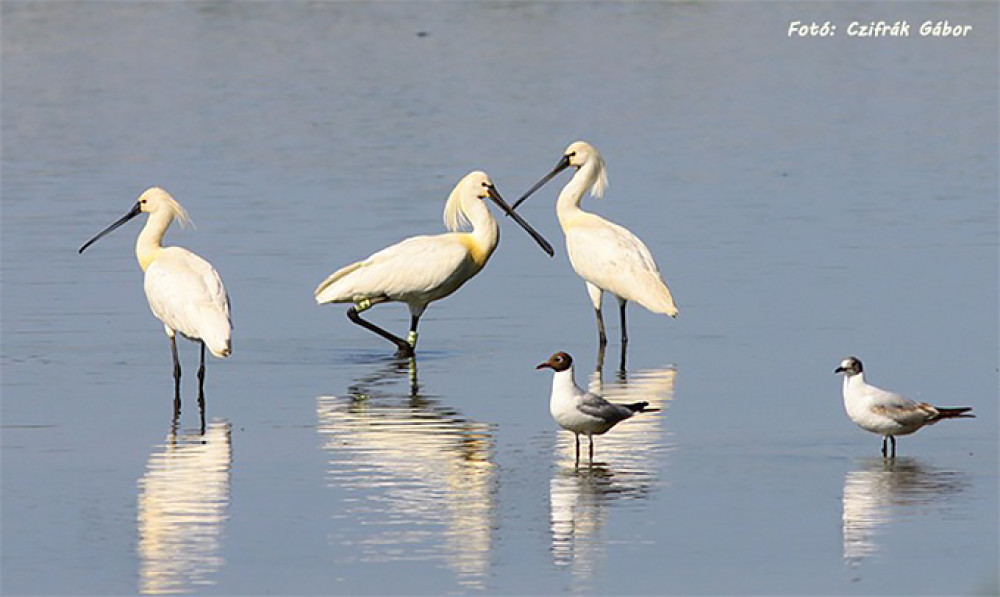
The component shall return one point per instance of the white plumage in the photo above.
(887, 413)
(607, 256)
(186, 294)
(423, 269)
(184, 291)
(580, 411)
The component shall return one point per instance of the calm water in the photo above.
(805, 198)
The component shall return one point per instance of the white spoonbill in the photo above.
(580, 411)
(607, 256)
(886, 413)
(422, 269)
(184, 291)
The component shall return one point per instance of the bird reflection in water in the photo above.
(629, 459)
(182, 509)
(880, 490)
(420, 474)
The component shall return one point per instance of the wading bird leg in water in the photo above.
(177, 369)
(414, 384)
(201, 390)
(596, 295)
(621, 308)
(411, 338)
(201, 411)
(405, 349)
(201, 372)
(602, 338)
(175, 423)
(892, 440)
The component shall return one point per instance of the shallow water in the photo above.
(805, 198)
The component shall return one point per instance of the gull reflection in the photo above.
(419, 474)
(628, 460)
(882, 489)
(182, 509)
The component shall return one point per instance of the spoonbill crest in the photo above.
(184, 291)
(580, 411)
(422, 269)
(607, 256)
(886, 413)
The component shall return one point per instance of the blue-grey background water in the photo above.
(806, 198)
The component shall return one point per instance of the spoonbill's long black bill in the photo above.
(562, 165)
(136, 210)
(544, 244)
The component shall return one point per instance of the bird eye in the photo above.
(571, 154)
(142, 201)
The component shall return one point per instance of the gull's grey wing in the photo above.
(595, 406)
(906, 414)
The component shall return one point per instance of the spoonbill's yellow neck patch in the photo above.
(478, 250)
(147, 256)
(148, 244)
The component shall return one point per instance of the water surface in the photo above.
(805, 198)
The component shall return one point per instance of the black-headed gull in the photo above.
(580, 411)
(886, 413)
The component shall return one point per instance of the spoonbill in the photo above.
(423, 269)
(886, 413)
(184, 291)
(580, 411)
(607, 256)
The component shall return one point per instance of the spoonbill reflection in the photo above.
(580, 411)
(607, 256)
(182, 510)
(423, 269)
(886, 413)
(184, 291)
(419, 476)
